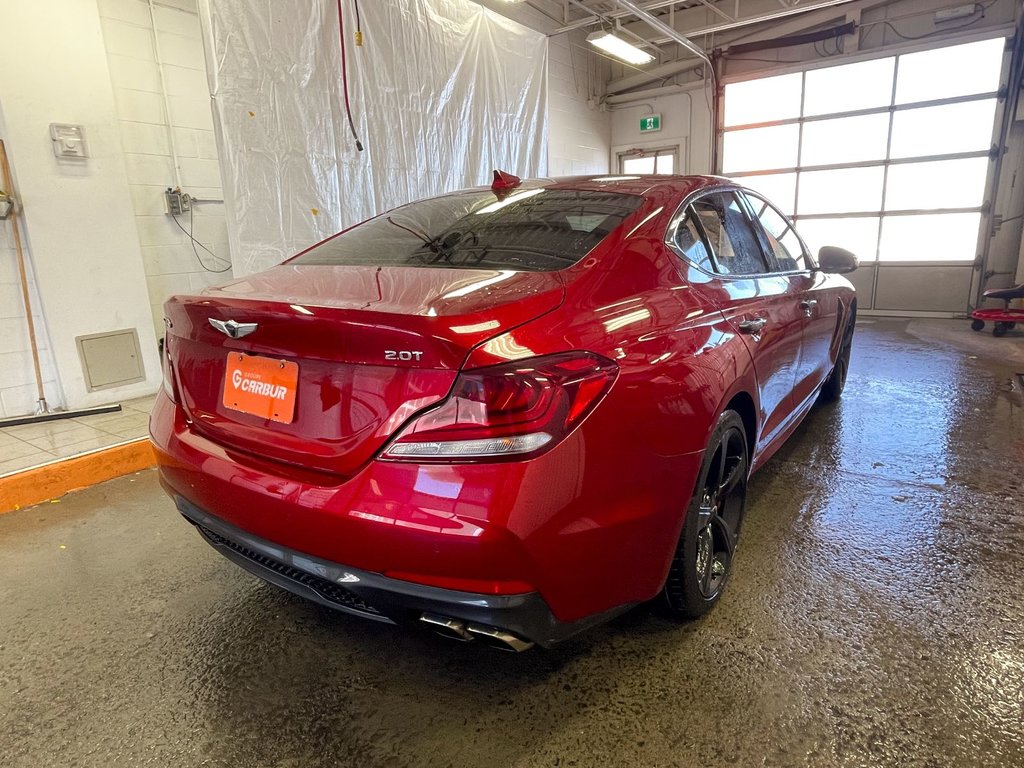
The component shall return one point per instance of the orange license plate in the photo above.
(261, 386)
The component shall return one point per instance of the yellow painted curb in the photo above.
(50, 481)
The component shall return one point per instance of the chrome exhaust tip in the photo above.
(499, 638)
(453, 629)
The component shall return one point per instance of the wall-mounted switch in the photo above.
(68, 140)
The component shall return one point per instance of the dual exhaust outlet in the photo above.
(456, 629)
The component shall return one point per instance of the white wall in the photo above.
(579, 131)
(685, 124)
(79, 216)
(170, 263)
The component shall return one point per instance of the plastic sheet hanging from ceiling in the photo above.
(442, 92)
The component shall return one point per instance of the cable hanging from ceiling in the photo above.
(344, 68)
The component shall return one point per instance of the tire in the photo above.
(977, 325)
(703, 558)
(999, 329)
(833, 387)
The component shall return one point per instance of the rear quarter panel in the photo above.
(636, 457)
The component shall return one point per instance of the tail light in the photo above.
(512, 410)
(170, 387)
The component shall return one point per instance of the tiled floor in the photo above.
(30, 445)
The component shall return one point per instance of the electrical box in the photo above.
(68, 140)
(110, 359)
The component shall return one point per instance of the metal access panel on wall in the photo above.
(110, 359)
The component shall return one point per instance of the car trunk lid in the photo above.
(372, 347)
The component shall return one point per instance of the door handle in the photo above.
(808, 305)
(754, 326)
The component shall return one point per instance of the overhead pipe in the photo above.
(663, 71)
(650, 93)
(659, 25)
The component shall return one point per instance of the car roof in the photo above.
(638, 184)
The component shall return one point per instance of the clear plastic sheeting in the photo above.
(442, 92)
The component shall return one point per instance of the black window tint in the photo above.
(689, 242)
(782, 238)
(732, 237)
(532, 229)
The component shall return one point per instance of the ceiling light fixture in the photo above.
(618, 47)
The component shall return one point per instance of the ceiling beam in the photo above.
(587, 21)
(759, 18)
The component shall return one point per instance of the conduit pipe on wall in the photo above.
(166, 99)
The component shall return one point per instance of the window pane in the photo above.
(859, 235)
(862, 85)
(789, 254)
(778, 188)
(638, 165)
(957, 70)
(849, 190)
(758, 101)
(942, 184)
(965, 127)
(666, 163)
(538, 229)
(732, 237)
(688, 241)
(760, 149)
(846, 140)
(930, 237)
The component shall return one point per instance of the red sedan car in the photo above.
(509, 413)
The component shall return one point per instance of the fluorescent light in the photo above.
(618, 47)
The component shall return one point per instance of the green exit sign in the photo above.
(650, 123)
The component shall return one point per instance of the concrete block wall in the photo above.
(579, 135)
(18, 392)
(172, 266)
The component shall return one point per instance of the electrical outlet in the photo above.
(178, 202)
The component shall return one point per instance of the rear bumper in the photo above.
(586, 529)
(376, 597)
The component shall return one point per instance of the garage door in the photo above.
(888, 157)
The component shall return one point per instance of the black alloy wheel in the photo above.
(833, 387)
(704, 554)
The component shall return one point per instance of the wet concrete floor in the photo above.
(875, 618)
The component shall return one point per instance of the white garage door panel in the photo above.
(946, 288)
(887, 157)
(864, 281)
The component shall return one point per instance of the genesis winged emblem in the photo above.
(233, 329)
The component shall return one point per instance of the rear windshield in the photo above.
(530, 230)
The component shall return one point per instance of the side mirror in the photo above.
(836, 261)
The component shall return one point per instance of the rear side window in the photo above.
(782, 238)
(530, 230)
(730, 234)
(688, 241)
